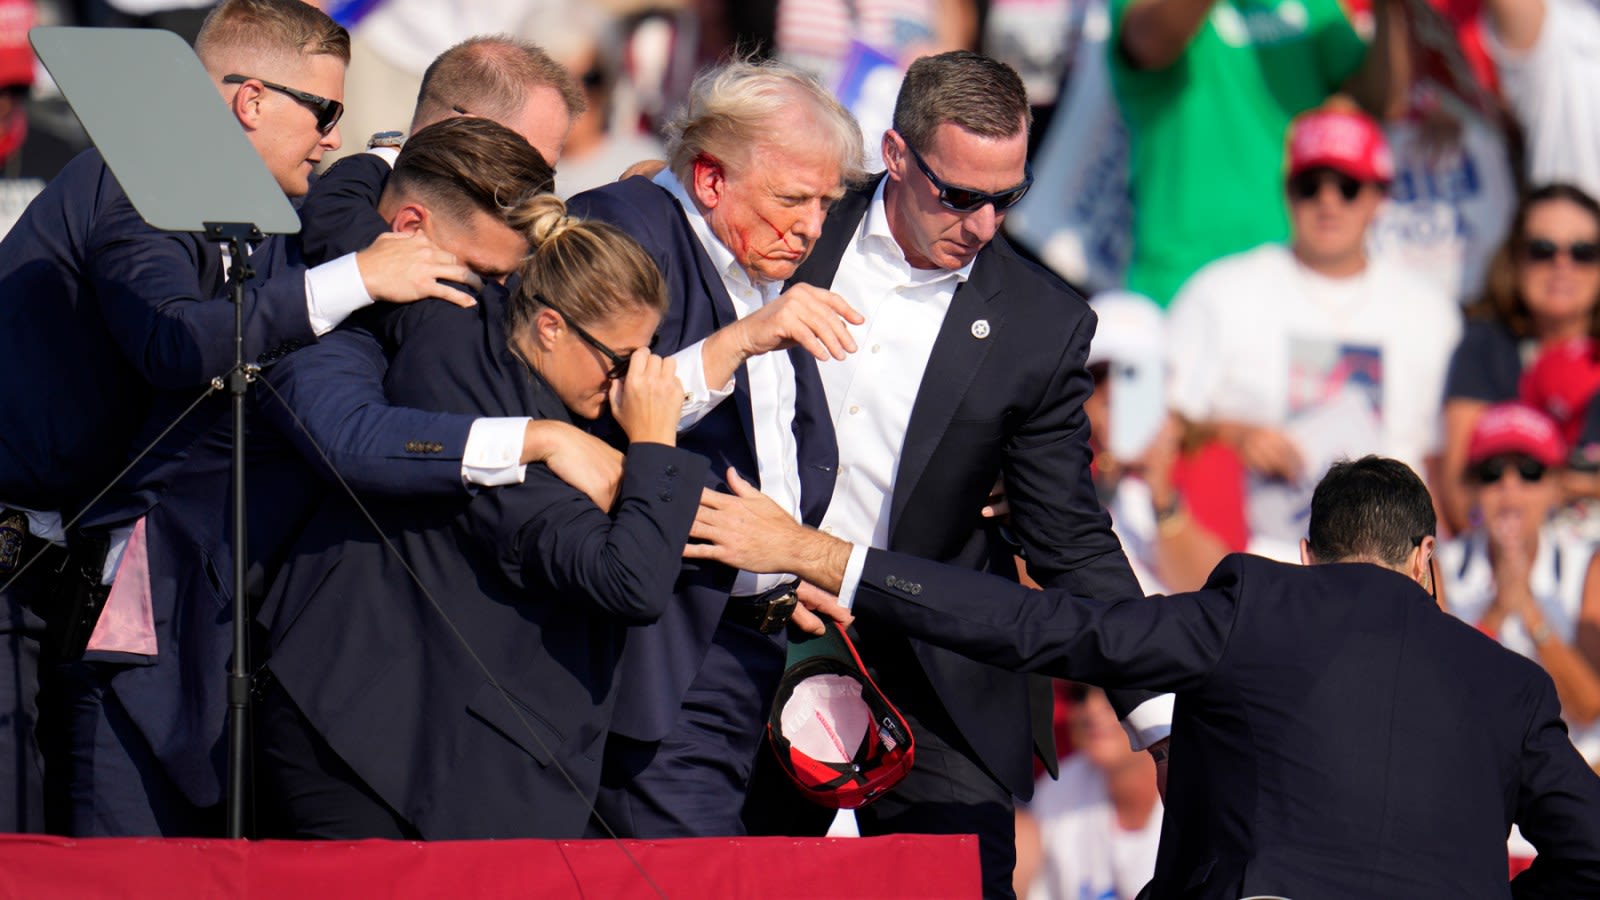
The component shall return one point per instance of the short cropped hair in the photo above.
(465, 165)
(969, 90)
(734, 106)
(1372, 508)
(587, 269)
(275, 29)
(491, 76)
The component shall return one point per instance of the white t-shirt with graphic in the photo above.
(1345, 367)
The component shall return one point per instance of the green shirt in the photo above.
(1207, 132)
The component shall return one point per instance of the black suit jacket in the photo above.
(1010, 402)
(663, 660)
(539, 582)
(99, 313)
(1335, 734)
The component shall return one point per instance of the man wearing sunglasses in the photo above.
(1522, 576)
(113, 328)
(1297, 354)
(970, 365)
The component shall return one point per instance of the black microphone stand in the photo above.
(239, 236)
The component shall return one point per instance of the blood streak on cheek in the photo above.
(782, 238)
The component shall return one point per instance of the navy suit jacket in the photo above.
(1335, 734)
(176, 699)
(340, 212)
(537, 581)
(99, 312)
(1010, 402)
(662, 660)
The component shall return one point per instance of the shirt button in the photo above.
(876, 348)
(828, 529)
(854, 410)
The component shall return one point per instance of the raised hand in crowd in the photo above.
(649, 399)
(1267, 451)
(404, 268)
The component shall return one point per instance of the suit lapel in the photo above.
(957, 354)
(723, 315)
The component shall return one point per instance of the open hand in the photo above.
(403, 268)
(804, 316)
(745, 529)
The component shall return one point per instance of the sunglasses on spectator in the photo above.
(1491, 470)
(328, 111)
(1308, 184)
(1583, 253)
(962, 199)
(619, 363)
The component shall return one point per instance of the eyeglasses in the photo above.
(328, 111)
(1582, 253)
(619, 363)
(1308, 184)
(1491, 470)
(962, 199)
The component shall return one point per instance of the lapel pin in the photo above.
(980, 329)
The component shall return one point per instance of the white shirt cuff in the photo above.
(1149, 722)
(852, 575)
(698, 397)
(334, 290)
(493, 454)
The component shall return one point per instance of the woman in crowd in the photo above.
(453, 677)
(1543, 288)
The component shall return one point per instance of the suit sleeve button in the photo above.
(666, 496)
(672, 470)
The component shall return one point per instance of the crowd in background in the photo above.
(1311, 230)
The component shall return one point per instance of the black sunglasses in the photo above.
(1308, 184)
(619, 363)
(962, 199)
(328, 111)
(1583, 253)
(1491, 470)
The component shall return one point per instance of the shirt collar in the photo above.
(875, 237)
(722, 258)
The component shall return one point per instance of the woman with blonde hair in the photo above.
(452, 677)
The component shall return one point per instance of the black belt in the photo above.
(766, 612)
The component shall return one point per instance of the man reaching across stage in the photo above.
(1335, 733)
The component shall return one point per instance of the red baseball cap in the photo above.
(1516, 428)
(1347, 142)
(1561, 382)
(836, 736)
(16, 54)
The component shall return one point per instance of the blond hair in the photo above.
(741, 103)
(585, 269)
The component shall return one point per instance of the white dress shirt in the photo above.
(872, 391)
(770, 380)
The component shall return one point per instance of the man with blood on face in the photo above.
(756, 158)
